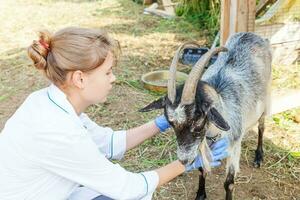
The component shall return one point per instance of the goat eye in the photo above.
(196, 133)
(195, 130)
(170, 119)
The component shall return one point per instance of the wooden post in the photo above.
(147, 2)
(251, 15)
(168, 8)
(241, 21)
(225, 16)
(236, 16)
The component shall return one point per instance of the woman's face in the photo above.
(98, 82)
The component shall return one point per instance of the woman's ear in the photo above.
(78, 79)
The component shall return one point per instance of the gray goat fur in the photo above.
(237, 86)
(242, 78)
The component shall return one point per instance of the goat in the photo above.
(230, 98)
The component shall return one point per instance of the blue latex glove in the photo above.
(219, 152)
(162, 123)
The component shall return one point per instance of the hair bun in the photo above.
(38, 50)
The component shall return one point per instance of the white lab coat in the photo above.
(47, 151)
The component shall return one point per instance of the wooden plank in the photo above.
(148, 2)
(262, 5)
(241, 22)
(251, 15)
(236, 16)
(172, 4)
(161, 13)
(168, 8)
(152, 6)
(285, 101)
(225, 17)
(271, 12)
(233, 17)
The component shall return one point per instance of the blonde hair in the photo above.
(71, 49)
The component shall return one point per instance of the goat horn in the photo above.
(190, 86)
(172, 72)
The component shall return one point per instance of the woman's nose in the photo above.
(113, 78)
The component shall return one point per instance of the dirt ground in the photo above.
(147, 43)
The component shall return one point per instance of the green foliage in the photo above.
(204, 13)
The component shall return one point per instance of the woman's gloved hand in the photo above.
(219, 152)
(162, 123)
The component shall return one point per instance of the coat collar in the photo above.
(59, 98)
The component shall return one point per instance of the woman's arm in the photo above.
(169, 172)
(137, 135)
(175, 168)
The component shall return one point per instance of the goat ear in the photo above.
(216, 118)
(158, 104)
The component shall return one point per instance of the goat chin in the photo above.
(206, 155)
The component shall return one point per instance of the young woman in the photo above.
(51, 150)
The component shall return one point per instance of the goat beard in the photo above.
(206, 155)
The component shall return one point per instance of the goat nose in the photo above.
(184, 162)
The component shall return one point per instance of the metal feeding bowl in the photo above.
(157, 81)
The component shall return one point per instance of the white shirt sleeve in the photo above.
(74, 156)
(111, 143)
